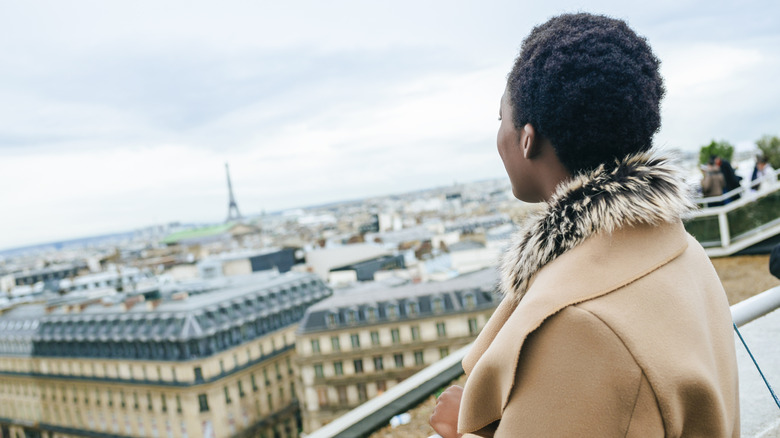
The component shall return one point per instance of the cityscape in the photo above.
(266, 326)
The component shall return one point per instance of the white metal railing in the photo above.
(756, 306)
(377, 412)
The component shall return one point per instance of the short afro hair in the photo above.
(591, 86)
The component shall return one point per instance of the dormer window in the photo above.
(438, 305)
(351, 316)
(371, 313)
(412, 308)
(471, 300)
(392, 311)
(332, 319)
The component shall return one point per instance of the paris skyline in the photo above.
(119, 116)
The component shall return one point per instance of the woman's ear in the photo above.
(529, 141)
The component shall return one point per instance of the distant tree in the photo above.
(721, 148)
(770, 148)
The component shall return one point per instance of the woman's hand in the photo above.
(445, 415)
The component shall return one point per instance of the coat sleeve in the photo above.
(576, 378)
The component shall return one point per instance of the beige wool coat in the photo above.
(614, 322)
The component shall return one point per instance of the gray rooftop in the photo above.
(365, 306)
(233, 309)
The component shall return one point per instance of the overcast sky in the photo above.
(121, 114)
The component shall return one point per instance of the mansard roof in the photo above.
(243, 306)
(381, 304)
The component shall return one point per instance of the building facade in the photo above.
(353, 347)
(211, 361)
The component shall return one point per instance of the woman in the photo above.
(614, 322)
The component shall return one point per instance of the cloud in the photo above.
(122, 114)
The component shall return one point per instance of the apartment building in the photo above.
(354, 346)
(211, 361)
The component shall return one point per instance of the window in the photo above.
(351, 316)
(415, 333)
(254, 382)
(241, 392)
(472, 326)
(222, 366)
(342, 391)
(203, 401)
(392, 311)
(438, 305)
(381, 386)
(135, 401)
(399, 360)
(265, 377)
(315, 345)
(374, 338)
(278, 372)
(164, 403)
(122, 399)
(378, 365)
(358, 366)
(471, 301)
(412, 308)
(227, 396)
(335, 344)
(149, 403)
(362, 392)
(109, 397)
(270, 402)
(441, 329)
(332, 319)
(371, 313)
(396, 335)
(198, 374)
(355, 338)
(322, 396)
(338, 368)
(444, 352)
(418, 357)
(178, 403)
(318, 372)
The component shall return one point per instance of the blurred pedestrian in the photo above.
(730, 177)
(712, 182)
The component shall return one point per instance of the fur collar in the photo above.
(642, 188)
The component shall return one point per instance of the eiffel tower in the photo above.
(233, 213)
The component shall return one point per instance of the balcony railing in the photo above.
(377, 412)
